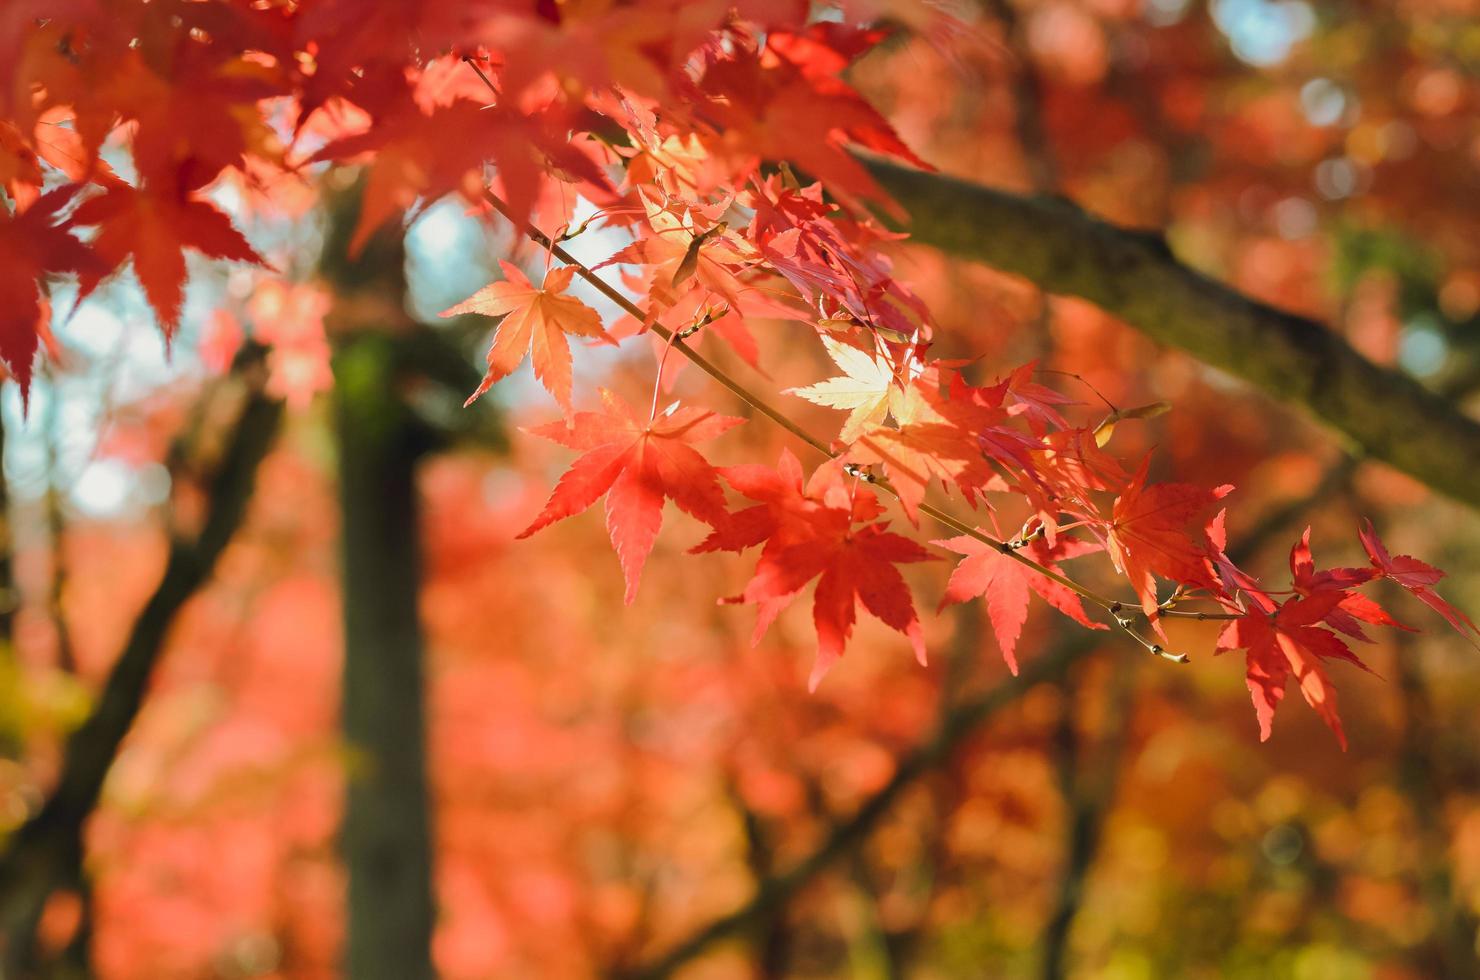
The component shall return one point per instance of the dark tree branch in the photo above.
(1134, 275)
(1089, 775)
(56, 540)
(954, 728)
(37, 857)
(958, 724)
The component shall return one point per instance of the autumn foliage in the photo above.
(686, 134)
(837, 420)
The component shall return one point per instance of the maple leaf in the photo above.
(636, 464)
(763, 101)
(1073, 465)
(591, 46)
(1034, 401)
(1232, 580)
(212, 98)
(155, 226)
(428, 154)
(1005, 584)
(828, 259)
(34, 245)
(1148, 534)
(64, 148)
(782, 501)
(1419, 579)
(867, 390)
(1354, 608)
(851, 565)
(536, 322)
(1285, 643)
(684, 240)
(861, 569)
(814, 532)
(930, 439)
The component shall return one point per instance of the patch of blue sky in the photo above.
(1263, 32)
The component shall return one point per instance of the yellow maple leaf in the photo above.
(867, 389)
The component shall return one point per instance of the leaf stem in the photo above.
(658, 381)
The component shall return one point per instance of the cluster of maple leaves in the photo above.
(688, 127)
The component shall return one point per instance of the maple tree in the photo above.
(687, 179)
(745, 198)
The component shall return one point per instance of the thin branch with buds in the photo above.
(675, 341)
(756, 402)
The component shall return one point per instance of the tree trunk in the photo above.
(386, 848)
(385, 838)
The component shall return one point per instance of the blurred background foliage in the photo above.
(606, 780)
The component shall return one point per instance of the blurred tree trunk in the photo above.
(386, 832)
(386, 838)
(1089, 773)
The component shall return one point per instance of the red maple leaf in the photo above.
(155, 225)
(1354, 608)
(536, 321)
(815, 533)
(1418, 578)
(424, 155)
(636, 464)
(929, 439)
(782, 503)
(34, 245)
(1006, 583)
(1156, 530)
(761, 100)
(829, 259)
(1287, 642)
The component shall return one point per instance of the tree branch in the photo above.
(47, 844)
(959, 722)
(957, 725)
(675, 342)
(1134, 276)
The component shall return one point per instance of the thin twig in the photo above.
(552, 247)
(776, 415)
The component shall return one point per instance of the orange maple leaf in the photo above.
(1285, 643)
(1151, 532)
(636, 464)
(155, 226)
(536, 321)
(1004, 585)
